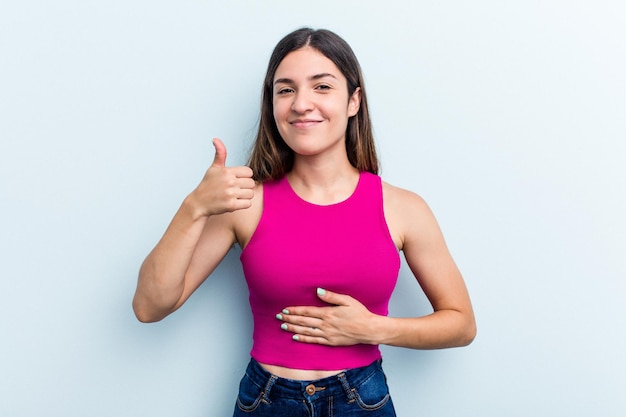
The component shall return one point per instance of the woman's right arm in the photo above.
(197, 239)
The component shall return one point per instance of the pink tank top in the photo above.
(299, 246)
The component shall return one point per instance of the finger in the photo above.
(298, 315)
(241, 204)
(333, 297)
(301, 338)
(247, 183)
(312, 334)
(220, 153)
(297, 323)
(242, 172)
(245, 194)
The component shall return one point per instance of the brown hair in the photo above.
(271, 158)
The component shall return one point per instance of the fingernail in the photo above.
(321, 291)
(295, 337)
(279, 316)
(283, 326)
(285, 311)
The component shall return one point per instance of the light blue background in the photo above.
(508, 117)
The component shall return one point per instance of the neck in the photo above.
(321, 171)
(323, 182)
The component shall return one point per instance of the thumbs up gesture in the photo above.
(223, 189)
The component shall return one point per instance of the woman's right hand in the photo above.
(223, 189)
(170, 273)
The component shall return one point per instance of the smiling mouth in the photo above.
(304, 123)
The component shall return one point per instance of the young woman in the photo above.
(320, 235)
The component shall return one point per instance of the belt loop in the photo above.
(346, 387)
(268, 387)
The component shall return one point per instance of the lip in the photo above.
(304, 123)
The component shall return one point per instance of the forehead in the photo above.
(306, 62)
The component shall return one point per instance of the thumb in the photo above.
(332, 297)
(220, 153)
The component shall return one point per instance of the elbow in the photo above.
(463, 332)
(152, 306)
(144, 318)
(144, 315)
(467, 336)
(467, 339)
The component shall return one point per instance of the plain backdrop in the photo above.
(508, 117)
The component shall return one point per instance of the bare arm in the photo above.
(197, 239)
(452, 322)
(348, 322)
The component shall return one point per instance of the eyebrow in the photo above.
(311, 78)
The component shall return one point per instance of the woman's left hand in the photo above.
(344, 322)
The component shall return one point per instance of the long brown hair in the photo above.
(271, 158)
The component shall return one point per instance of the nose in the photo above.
(302, 102)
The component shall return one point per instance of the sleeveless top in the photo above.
(299, 246)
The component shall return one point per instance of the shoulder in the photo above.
(244, 222)
(400, 198)
(407, 214)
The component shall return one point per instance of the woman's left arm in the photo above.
(417, 234)
(346, 321)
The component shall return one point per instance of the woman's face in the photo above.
(311, 103)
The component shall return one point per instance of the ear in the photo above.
(354, 104)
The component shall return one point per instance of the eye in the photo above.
(284, 90)
(323, 87)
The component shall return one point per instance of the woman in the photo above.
(320, 235)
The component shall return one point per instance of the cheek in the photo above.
(279, 118)
(280, 111)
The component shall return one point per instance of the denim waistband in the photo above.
(311, 390)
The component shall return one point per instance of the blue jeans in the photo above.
(355, 392)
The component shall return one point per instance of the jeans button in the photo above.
(310, 389)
